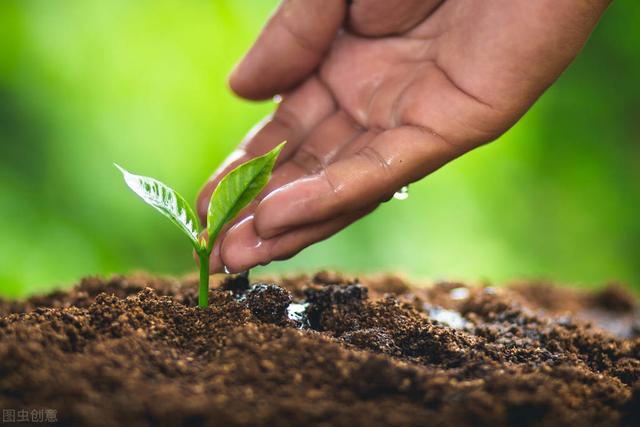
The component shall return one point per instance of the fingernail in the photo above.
(242, 248)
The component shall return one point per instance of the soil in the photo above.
(322, 351)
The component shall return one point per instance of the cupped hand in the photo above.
(376, 94)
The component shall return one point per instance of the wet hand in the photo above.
(376, 94)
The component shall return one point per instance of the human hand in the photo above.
(377, 94)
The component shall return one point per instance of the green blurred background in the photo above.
(88, 82)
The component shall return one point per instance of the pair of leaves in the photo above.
(235, 191)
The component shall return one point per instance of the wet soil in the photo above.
(321, 351)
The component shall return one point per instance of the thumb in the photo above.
(290, 47)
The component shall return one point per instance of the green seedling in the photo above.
(235, 191)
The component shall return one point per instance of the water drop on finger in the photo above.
(402, 194)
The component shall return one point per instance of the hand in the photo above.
(380, 93)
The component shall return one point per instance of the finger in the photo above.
(243, 249)
(385, 17)
(321, 147)
(357, 144)
(392, 159)
(298, 113)
(285, 174)
(289, 48)
(319, 150)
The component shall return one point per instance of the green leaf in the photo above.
(237, 189)
(168, 202)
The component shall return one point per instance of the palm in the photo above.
(467, 72)
(375, 113)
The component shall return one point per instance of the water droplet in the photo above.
(402, 194)
(448, 317)
(298, 313)
(459, 293)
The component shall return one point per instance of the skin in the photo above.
(376, 94)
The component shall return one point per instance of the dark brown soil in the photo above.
(136, 351)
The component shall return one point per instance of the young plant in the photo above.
(235, 191)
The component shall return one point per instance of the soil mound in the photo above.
(322, 350)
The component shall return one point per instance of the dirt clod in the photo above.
(268, 302)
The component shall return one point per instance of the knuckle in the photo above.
(287, 119)
(332, 183)
(372, 155)
(291, 23)
(308, 161)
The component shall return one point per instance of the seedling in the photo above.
(235, 191)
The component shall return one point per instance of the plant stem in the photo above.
(203, 295)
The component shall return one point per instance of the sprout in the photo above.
(235, 191)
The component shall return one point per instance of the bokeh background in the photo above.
(88, 82)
